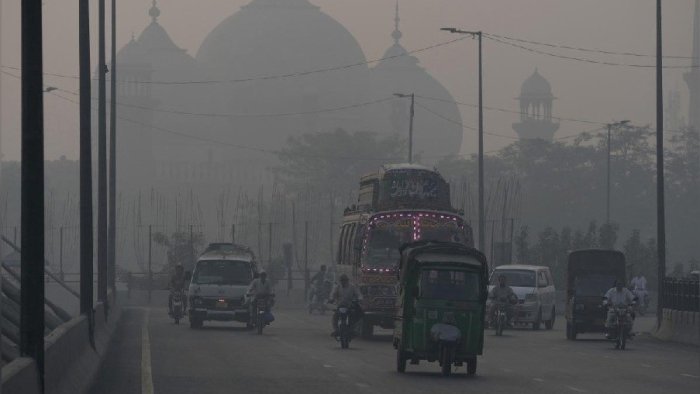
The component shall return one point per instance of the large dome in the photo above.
(279, 37)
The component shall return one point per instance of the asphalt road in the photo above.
(150, 354)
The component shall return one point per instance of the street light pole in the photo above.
(31, 342)
(660, 203)
(482, 218)
(101, 158)
(410, 125)
(112, 232)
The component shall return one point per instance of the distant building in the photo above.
(437, 126)
(536, 109)
(692, 78)
(229, 128)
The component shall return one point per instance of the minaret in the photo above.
(692, 78)
(536, 121)
(154, 12)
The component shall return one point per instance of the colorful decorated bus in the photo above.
(396, 205)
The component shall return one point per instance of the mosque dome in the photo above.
(277, 40)
(536, 86)
(437, 123)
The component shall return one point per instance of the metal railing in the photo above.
(681, 294)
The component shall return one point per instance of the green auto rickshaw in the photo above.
(441, 305)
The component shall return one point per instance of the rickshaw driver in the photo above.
(344, 295)
(502, 294)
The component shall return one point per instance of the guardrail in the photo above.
(681, 295)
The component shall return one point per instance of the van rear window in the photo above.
(515, 278)
(222, 272)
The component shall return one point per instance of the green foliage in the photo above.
(334, 161)
(181, 249)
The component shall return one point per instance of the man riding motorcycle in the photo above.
(177, 283)
(260, 287)
(504, 295)
(344, 295)
(317, 282)
(618, 296)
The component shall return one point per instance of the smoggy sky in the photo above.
(585, 91)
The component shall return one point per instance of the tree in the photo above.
(334, 161)
(181, 249)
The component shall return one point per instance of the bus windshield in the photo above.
(387, 235)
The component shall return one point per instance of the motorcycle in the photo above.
(642, 300)
(178, 307)
(261, 315)
(621, 330)
(318, 296)
(500, 318)
(345, 324)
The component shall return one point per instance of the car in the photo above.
(536, 293)
(219, 284)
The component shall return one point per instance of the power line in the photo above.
(224, 115)
(273, 76)
(461, 124)
(582, 49)
(581, 59)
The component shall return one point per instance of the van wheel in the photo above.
(538, 321)
(471, 366)
(196, 323)
(367, 329)
(570, 331)
(549, 324)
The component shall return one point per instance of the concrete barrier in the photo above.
(72, 362)
(679, 326)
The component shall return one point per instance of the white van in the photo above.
(535, 290)
(219, 284)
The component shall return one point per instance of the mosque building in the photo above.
(225, 112)
(536, 100)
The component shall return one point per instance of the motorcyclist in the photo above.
(638, 285)
(177, 283)
(260, 287)
(317, 281)
(344, 294)
(618, 296)
(504, 295)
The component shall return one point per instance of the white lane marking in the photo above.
(327, 366)
(576, 389)
(687, 375)
(146, 373)
(362, 385)
(538, 380)
(506, 370)
(646, 365)
(342, 375)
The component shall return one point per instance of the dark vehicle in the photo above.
(441, 305)
(591, 273)
(346, 323)
(178, 305)
(621, 330)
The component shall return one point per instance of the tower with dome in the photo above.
(536, 100)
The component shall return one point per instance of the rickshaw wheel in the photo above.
(471, 366)
(400, 360)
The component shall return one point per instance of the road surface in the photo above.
(150, 354)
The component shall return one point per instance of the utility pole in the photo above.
(660, 202)
(32, 175)
(101, 159)
(607, 199)
(410, 124)
(60, 253)
(269, 247)
(191, 247)
(306, 259)
(479, 36)
(150, 261)
(233, 234)
(112, 233)
(86, 217)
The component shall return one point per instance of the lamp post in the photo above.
(660, 206)
(615, 125)
(478, 35)
(410, 126)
